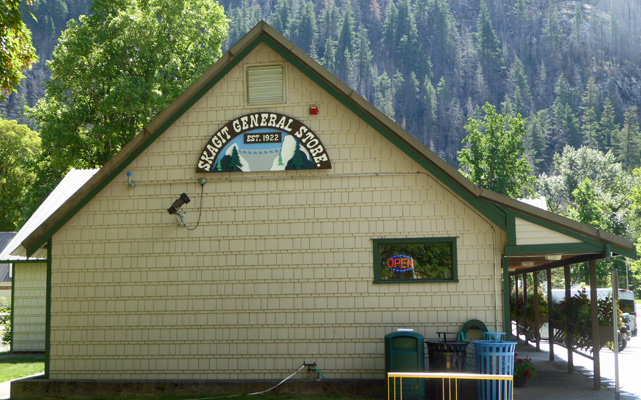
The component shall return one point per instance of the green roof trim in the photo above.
(25, 261)
(530, 249)
(48, 313)
(511, 228)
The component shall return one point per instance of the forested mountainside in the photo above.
(570, 68)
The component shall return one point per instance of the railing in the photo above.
(449, 384)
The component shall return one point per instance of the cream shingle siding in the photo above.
(28, 327)
(529, 233)
(279, 270)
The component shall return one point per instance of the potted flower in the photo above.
(523, 370)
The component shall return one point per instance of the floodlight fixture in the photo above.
(183, 199)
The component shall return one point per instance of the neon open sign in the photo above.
(400, 263)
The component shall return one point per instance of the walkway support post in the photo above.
(550, 328)
(537, 323)
(517, 313)
(524, 304)
(569, 336)
(596, 339)
(507, 288)
(615, 327)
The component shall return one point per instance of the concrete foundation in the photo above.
(61, 389)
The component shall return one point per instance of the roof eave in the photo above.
(624, 246)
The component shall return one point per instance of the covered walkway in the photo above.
(554, 382)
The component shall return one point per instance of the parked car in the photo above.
(627, 304)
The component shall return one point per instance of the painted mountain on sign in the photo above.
(293, 156)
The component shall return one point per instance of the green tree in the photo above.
(520, 11)
(635, 208)
(591, 110)
(390, 27)
(441, 33)
(574, 166)
(329, 57)
(429, 110)
(635, 225)
(115, 69)
(16, 51)
(406, 99)
(479, 84)
(363, 64)
(244, 17)
(304, 32)
(279, 19)
(19, 151)
(520, 88)
(383, 95)
(627, 145)
(405, 39)
(552, 32)
(328, 28)
(345, 45)
(608, 125)
(586, 207)
(489, 50)
(496, 158)
(566, 123)
(536, 140)
(591, 187)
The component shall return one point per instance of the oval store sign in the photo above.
(400, 263)
(263, 142)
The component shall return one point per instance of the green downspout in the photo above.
(13, 297)
(506, 298)
(48, 312)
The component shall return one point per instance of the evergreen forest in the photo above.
(569, 69)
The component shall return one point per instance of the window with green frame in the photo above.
(415, 260)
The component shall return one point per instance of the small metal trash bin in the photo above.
(445, 356)
(494, 358)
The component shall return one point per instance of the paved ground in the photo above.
(553, 381)
(5, 390)
(5, 387)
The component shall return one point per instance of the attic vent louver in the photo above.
(265, 84)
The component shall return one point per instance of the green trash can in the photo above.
(405, 352)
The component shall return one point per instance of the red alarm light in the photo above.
(313, 110)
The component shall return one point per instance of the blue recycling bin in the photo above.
(494, 336)
(495, 358)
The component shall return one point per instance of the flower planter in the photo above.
(520, 381)
(606, 333)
